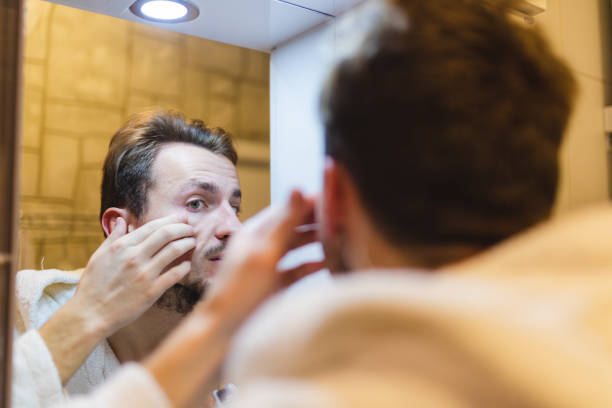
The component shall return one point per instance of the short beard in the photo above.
(181, 298)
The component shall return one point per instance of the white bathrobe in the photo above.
(36, 382)
(38, 295)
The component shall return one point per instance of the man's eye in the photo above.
(196, 205)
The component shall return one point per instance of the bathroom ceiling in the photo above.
(332, 7)
(256, 24)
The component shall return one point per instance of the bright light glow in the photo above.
(163, 10)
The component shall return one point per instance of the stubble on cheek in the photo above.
(184, 295)
(181, 298)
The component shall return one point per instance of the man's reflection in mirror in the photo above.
(170, 201)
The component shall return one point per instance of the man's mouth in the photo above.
(215, 254)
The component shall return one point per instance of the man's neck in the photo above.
(372, 249)
(136, 340)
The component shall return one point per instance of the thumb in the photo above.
(288, 217)
(297, 208)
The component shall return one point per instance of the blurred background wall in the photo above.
(581, 32)
(84, 75)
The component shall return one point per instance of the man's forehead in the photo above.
(188, 164)
(191, 157)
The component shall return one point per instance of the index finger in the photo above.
(143, 232)
(299, 212)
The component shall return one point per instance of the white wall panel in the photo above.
(297, 71)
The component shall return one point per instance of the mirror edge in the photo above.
(11, 55)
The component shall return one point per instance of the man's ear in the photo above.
(335, 197)
(110, 216)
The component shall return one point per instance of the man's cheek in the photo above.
(197, 219)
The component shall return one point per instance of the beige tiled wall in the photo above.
(581, 31)
(84, 74)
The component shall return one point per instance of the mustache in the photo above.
(215, 250)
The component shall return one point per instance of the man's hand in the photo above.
(127, 273)
(250, 273)
(123, 278)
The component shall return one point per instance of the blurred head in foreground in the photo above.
(442, 124)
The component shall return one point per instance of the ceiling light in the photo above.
(165, 11)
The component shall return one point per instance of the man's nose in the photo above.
(229, 224)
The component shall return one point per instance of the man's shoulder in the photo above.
(359, 306)
(39, 293)
(392, 325)
(576, 243)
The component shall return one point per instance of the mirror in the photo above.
(84, 74)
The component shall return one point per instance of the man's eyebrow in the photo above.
(206, 186)
(212, 188)
(202, 185)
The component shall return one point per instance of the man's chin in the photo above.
(212, 268)
(182, 297)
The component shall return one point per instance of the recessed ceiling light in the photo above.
(165, 11)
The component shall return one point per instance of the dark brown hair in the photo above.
(449, 118)
(127, 168)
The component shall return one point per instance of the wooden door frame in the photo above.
(11, 57)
